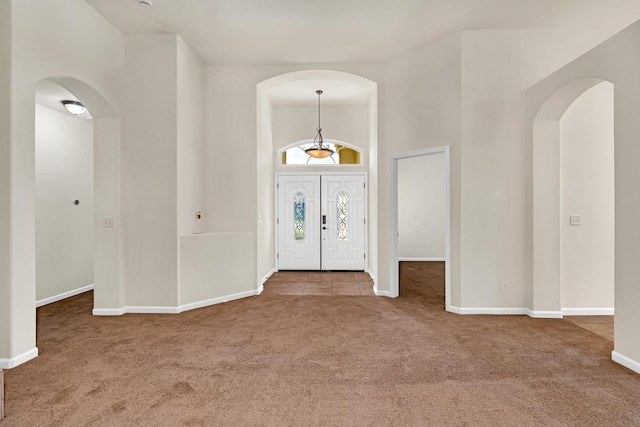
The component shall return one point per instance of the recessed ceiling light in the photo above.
(145, 3)
(74, 107)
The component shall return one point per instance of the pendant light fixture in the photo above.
(318, 150)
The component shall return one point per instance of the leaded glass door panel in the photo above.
(298, 223)
(343, 218)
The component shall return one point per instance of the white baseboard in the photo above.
(19, 359)
(370, 273)
(214, 301)
(488, 310)
(268, 275)
(625, 361)
(421, 259)
(64, 295)
(509, 311)
(173, 310)
(109, 311)
(598, 311)
(381, 293)
(454, 309)
(150, 309)
(260, 289)
(540, 314)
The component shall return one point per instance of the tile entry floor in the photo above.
(319, 283)
(601, 325)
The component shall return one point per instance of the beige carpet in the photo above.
(280, 360)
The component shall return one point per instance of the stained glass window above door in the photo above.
(343, 155)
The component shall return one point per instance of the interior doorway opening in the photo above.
(420, 206)
(64, 195)
(423, 281)
(587, 204)
(281, 99)
(78, 163)
(558, 229)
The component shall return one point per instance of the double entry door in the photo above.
(321, 222)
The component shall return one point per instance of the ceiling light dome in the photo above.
(74, 107)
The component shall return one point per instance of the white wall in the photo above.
(216, 267)
(64, 231)
(190, 172)
(43, 44)
(9, 326)
(497, 68)
(151, 170)
(419, 108)
(587, 189)
(421, 208)
(190, 134)
(617, 61)
(265, 207)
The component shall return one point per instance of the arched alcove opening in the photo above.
(547, 208)
(298, 88)
(104, 189)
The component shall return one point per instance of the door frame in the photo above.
(394, 263)
(277, 206)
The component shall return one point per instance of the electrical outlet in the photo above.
(107, 222)
(503, 287)
(575, 220)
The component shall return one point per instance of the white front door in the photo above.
(343, 222)
(321, 222)
(298, 223)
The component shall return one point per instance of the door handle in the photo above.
(325, 228)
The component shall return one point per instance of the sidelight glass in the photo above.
(342, 203)
(298, 216)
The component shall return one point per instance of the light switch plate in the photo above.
(575, 220)
(107, 222)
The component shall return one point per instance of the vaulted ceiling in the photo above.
(345, 31)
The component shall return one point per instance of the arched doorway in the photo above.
(547, 274)
(267, 154)
(107, 251)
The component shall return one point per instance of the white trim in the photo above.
(150, 309)
(19, 359)
(219, 300)
(393, 249)
(370, 273)
(488, 310)
(421, 259)
(267, 277)
(381, 293)
(510, 311)
(539, 314)
(64, 295)
(625, 361)
(453, 309)
(597, 311)
(109, 311)
(174, 310)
